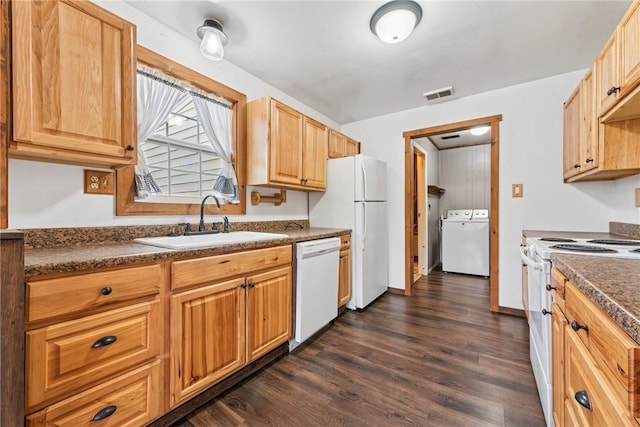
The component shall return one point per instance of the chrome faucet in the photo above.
(201, 225)
(225, 225)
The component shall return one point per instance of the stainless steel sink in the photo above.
(208, 240)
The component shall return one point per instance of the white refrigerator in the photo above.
(356, 199)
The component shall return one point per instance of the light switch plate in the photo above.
(516, 190)
(98, 182)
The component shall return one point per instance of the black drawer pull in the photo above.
(550, 288)
(545, 311)
(576, 165)
(589, 160)
(577, 326)
(583, 399)
(105, 412)
(129, 147)
(613, 89)
(106, 290)
(104, 341)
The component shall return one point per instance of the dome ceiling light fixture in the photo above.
(394, 21)
(213, 39)
(480, 130)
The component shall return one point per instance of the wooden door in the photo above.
(607, 76)
(572, 134)
(589, 158)
(344, 277)
(557, 359)
(285, 158)
(207, 336)
(74, 79)
(314, 154)
(337, 144)
(629, 45)
(268, 311)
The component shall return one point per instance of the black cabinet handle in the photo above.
(613, 89)
(252, 285)
(577, 326)
(583, 399)
(576, 166)
(244, 285)
(105, 412)
(129, 147)
(589, 160)
(545, 311)
(106, 290)
(550, 288)
(105, 341)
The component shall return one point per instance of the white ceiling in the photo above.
(323, 53)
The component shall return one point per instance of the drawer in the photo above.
(66, 295)
(345, 241)
(558, 281)
(67, 357)
(214, 268)
(132, 400)
(583, 377)
(613, 351)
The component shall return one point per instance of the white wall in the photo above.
(43, 195)
(465, 174)
(530, 153)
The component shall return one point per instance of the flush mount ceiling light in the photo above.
(213, 39)
(480, 130)
(394, 21)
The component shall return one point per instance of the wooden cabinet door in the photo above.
(572, 124)
(73, 82)
(607, 76)
(353, 147)
(344, 277)
(337, 144)
(589, 158)
(558, 325)
(207, 336)
(314, 154)
(268, 311)
(285, 163)
(629, 44)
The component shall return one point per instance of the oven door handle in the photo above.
(530, 263)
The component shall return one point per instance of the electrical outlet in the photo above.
(516, 190)
(98, 182)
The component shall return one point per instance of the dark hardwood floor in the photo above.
(437, 358)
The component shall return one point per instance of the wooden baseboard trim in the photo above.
(511, 311)
(191, 405)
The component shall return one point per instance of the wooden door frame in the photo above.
(409, 136)
(421, 175)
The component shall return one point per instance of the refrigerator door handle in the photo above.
(364, 181)
(364, 224)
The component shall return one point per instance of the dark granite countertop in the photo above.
(63, 259)
(612, 283)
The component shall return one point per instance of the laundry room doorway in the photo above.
(459, 144)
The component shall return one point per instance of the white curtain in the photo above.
(216, 122)
(157, 97)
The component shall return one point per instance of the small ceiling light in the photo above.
(394, 21)
(213, 38)
(480, 130)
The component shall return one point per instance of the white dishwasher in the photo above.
(317, 264)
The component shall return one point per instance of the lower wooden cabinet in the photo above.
(220, 327)
(344, 272)
(130, 400)
(596, 365)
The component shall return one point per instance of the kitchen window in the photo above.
(184, 156)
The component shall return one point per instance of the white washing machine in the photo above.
(465, 242)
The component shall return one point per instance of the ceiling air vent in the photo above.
(449, 137)
(438, 93)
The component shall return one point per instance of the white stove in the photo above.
(610, 248)
(536, 254)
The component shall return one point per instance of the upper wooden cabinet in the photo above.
(285, 149)
(629, 48)
(607, 75)
(73, 84)
(341, 145)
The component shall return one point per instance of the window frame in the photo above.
(125, 192)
